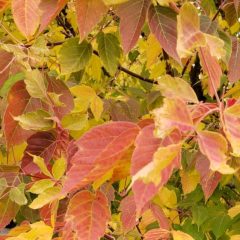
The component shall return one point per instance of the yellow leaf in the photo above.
(83, 92)
(190, 180)
(103, 179)
(153, 50)
(97, 107)
(114, 2)
(235, 237)
(178, 235)
(59, 168)
(45, 197)
(41, 185)
(166, 198)
(234, 211)
(38, 231)
(41, 164)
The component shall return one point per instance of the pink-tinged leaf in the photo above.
(157, 234)
(8, 211)
(108, 191)
(208, 179)
(214, 146)
(132, 17)
(236, 4)
(189, 34)
(87, 215)
(234, 62)
(210, 66)
(89, 13)
(143, 193)
(160, 216)
(19, 102)
(49, 9)
(173, 114)
(59, 87)
(26, 15)
(201, 110)
(231, 126)
(128, 213)
(5, 65)
(163, 24)
(146, 146)
(41, 144)
(98, 151)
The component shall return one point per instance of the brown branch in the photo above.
(133, 74)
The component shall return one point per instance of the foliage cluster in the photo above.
(120, 119)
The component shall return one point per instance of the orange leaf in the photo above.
(89, 13)
(98, 151)
(87, 215)
(26, 15)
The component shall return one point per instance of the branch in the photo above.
(133, 74)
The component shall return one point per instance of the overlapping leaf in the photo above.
(173, 114)
(87, 216)
(132, 17)
(109, 141)
(176, 87)
(208, 179)
(163, 24)
(214, 146)
(89, 13)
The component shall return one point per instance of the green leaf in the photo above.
(38, 120)
(75, 121)
(109, 51)
(17, 195)
(10, 82)
(45, 197)
(200, 215)
(41, 185)
(59, 168)
(73, 56)
(35, 84)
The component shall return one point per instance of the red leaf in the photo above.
(132, 17)
(8, 66)
(26, 16)
(128, 215)
(87, 215)
(59, 87)
(41, 144)
(212, 68)
(19, 102)
(163, 24)
(234, 62)
(50, 9)
(146, 146)
(89, 13)
(209, 179)
(98, 150)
